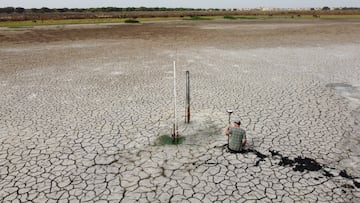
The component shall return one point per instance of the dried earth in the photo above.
(83, 107)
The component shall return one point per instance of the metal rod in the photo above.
(229, 111)
(229, 130)
(187, 107)
(175, 131)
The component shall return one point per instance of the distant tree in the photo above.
(7, 10)
(93, 9)
(45, 10)
(62, 10)
(77, 10)
(326, 8)
(111, 9)
(130, 9)
(144, 9)
(350, 8)
(19, 10)
(34, 10)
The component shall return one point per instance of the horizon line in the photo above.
(260, 7)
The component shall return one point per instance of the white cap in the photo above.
(237, 121)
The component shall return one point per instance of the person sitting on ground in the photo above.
(237, 136)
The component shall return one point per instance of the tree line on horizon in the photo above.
(10, 10)
(101, 9)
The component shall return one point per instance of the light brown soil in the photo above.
(219, 33)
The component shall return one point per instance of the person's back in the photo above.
(236, 139)
(237, 136)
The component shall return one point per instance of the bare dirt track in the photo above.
(82, 108)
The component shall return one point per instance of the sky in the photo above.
(179, 3)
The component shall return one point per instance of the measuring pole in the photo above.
(187, 107)
(175, 130)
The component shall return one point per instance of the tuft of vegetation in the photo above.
(131, 20)
(230, 17)
(19, 27)
(197, 18)
(240, 17)
(247, 17)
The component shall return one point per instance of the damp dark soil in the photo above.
(344, 174)
(301, 164)
(357, 184)
(258, 154)
(169, 140)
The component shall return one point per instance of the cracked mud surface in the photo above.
(82, 108)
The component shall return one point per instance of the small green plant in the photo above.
(131, 21)
(19, 27)
(240, 17)
(230, 17)
(197, 18)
